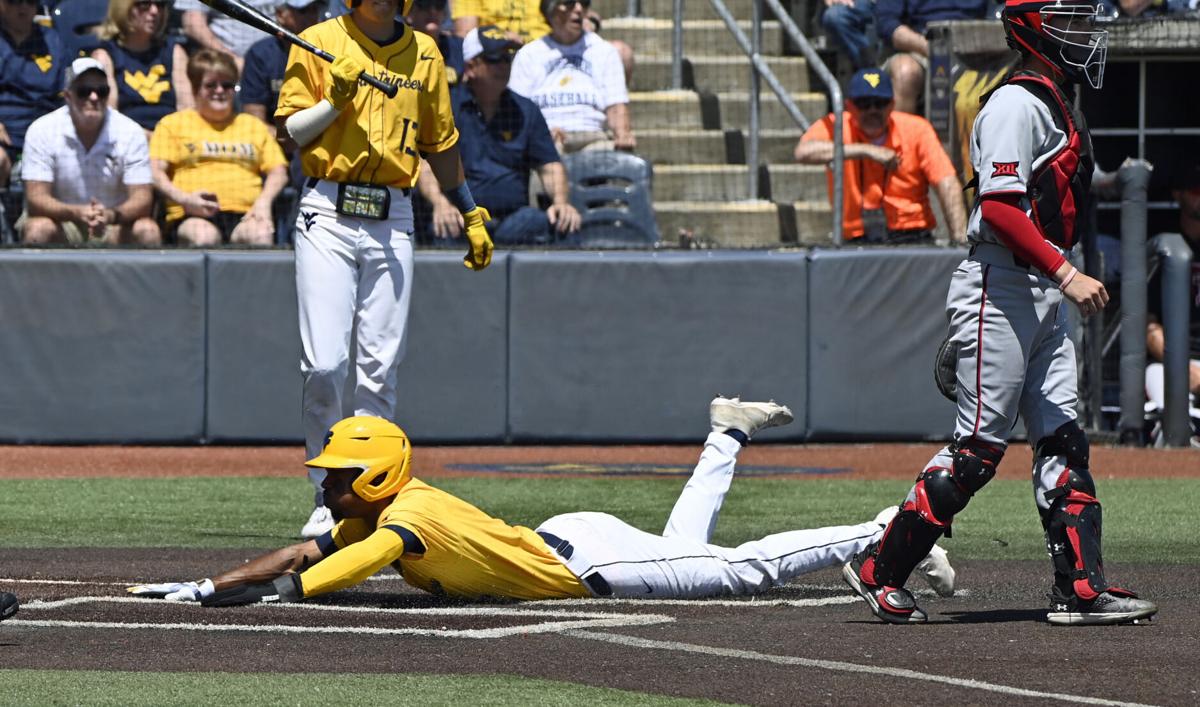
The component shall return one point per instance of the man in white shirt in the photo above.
(86, 169)
(577, 80)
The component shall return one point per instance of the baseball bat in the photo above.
(247, 15)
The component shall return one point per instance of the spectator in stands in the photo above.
(901, 25)
(429, 16)
(850, 24)
(502, 136)
(211, 29)
(86, 170)
(892, 159)
(267, 60)
(1187, 193)
(210, 163)
(577, 80)
(32, 61)
(592, 23)
(147, 71)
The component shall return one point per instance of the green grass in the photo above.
(1145, 520)
(60, 687)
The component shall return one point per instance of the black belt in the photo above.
(595, 582)
(1020, 263)
(312, 182)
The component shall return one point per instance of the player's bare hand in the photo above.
(625, 141)
(447, 221)
(1087, 293)
(564, 217)
(202, 203)
(174, 591)
(345, 73)
(480, 254)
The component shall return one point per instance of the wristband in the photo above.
(460, 197)
(1062, 286)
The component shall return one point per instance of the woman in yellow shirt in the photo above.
(210, 163)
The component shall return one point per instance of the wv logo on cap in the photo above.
(872, 78)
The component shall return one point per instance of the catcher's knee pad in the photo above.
(1073, 531)
(941, 492)
(1067, 441)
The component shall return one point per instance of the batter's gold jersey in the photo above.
(466, 552)
(376, 139)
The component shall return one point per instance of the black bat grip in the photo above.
(388, 89)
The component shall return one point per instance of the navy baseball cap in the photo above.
(490, 41)
(869, 83)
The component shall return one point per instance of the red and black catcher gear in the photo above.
(1062, 34)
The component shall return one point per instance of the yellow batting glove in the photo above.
(480, 255)
(345, 81)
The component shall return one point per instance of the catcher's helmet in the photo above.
(405, 5)
(1060, 33)
(373, 444)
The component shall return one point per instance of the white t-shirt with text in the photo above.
(572, 84)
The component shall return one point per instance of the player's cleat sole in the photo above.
(894, 605)
(8, 605)
(937, 572)
(1112, 607)
(732, 414)
(319, 523)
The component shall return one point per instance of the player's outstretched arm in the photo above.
(447, 167)
(265, 568)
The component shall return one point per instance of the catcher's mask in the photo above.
(405, 6)
(376, 446)
(1062, 34)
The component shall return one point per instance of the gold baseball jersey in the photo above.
(228, 160)
(376, 139)
(523, 17)
(443, 545)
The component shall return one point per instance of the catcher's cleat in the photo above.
(8, 605)
(894, 605)
(1112, 606)
(732, 414)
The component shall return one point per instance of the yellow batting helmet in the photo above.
(373, 444)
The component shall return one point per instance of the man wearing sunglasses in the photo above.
(892, 159)
(502, 136)
(32, 60)
(87, 170)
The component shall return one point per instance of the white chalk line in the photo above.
(839, 666)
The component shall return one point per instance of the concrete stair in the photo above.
(663, 9)
(700, 182)
(795, 182)
(717, 73)
(671, 146)
(735, 109)
(650, 37)
(677, 109)
(742, 224)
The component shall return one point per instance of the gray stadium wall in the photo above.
(175, 347)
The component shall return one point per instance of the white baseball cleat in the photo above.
(732, 414)
(319, 523)
(938, 573)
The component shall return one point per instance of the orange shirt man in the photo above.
(891, 161)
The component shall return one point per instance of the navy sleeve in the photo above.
(541, 145)
(412, 543)
(326, 544)
(256, 85)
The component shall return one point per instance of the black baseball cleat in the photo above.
(894, 605)
(1112, 606)
(8, 605)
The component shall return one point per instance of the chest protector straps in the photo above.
(1058, 189)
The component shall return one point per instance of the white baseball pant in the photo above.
(681, 563)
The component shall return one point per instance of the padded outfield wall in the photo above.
(184, 347)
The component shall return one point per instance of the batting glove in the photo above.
(284, 589)
(345, 81)
(480, 255)
(174, 591)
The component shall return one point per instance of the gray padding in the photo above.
(873, 340)
(101, 346)
(253, 348)
(453, 380)
(633, 346)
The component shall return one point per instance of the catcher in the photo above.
(446, 546)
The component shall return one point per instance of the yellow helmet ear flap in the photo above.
(381, 482)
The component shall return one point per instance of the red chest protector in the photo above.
(1059, 188)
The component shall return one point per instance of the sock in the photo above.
(742, 438)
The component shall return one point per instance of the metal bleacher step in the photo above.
(735, 109)
(700, 182)
(670, 146)
(649, 36)
(692, 9)
(716, 73)
(741, 224)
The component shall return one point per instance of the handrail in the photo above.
(761, 68)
